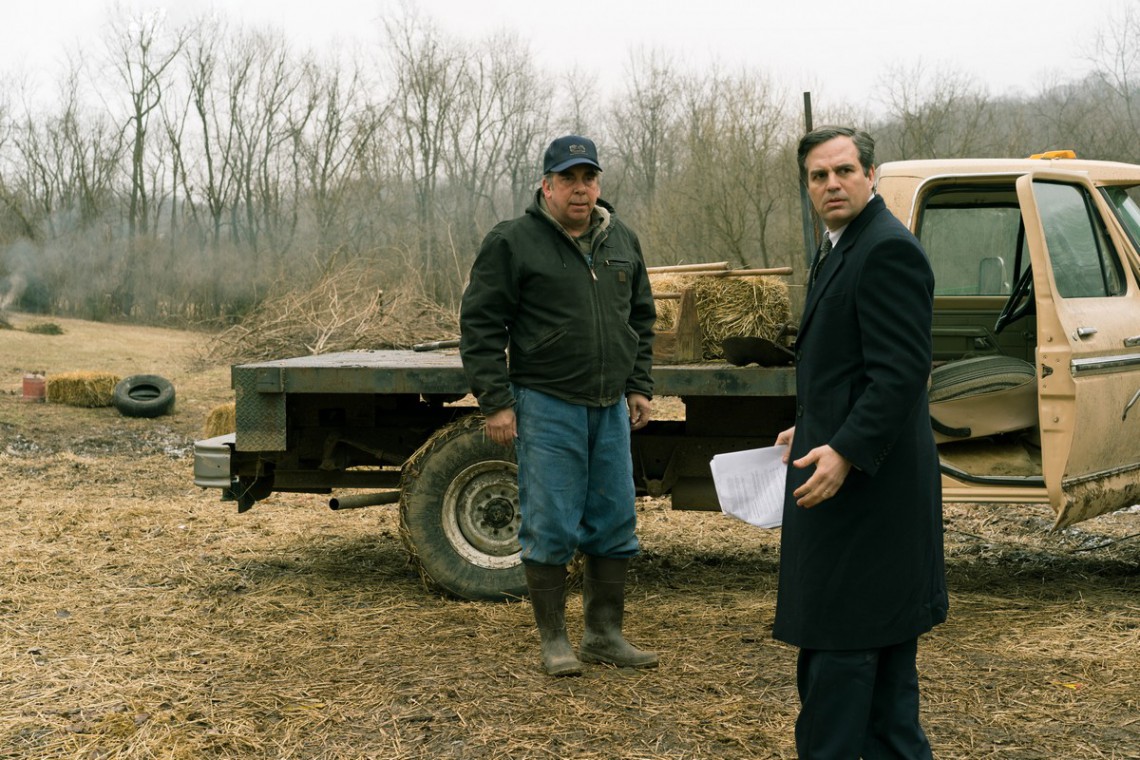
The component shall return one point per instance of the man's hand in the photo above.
(500, 426)
(639, 409)
(785, 439)
(831, 470)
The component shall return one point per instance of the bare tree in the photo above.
(580, 102)
(94, 149)
(36, 177)
(268, 123)
(756, 127)
(731, 185)
(1059, 116)
(939, 114)
(645, 122)
(1116, 65)
(527, 133)
(271, 165)
(493, 131)
(15, 219)
(66, 166)
(428, 73)
(141, 49)
(209, 179)
(343, 123)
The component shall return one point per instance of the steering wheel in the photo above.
(1019, 303)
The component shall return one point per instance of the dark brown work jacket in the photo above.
(574, 328)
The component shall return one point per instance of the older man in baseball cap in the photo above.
(563, 291)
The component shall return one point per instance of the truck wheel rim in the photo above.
(481, 514)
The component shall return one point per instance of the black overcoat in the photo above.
(865, 568)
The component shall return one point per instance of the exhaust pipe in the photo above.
(357, 501)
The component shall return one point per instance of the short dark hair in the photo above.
(864, 144)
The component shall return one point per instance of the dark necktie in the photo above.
(823, 251)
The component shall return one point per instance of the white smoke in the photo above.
(13, 287)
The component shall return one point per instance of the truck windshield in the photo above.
(1125, 203)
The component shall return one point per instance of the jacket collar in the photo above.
(850, 235)
(586, 243)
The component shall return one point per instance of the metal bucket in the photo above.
(33, 388)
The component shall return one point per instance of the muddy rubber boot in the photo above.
(547, 587)
(603, 601)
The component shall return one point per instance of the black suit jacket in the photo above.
(865, 568)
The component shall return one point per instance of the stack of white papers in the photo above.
(750, 485)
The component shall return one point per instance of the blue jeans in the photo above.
(575, 479)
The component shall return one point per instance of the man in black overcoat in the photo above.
(861, 562)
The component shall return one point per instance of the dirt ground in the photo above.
(141, 617)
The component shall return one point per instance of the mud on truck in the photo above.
(1035, 388)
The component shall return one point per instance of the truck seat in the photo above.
(982, 395)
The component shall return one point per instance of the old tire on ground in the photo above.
(459, 513)
(144, 396)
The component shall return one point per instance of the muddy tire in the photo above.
(143, 396)
(459, 513)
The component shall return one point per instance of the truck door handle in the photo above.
(1132, 342)
(1129, 405)
(1086, 332)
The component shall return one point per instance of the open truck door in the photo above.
(1085, 290)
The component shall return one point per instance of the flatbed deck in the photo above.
(441, 372)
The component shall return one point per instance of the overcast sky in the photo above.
(839, 50)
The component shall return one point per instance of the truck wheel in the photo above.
(459, 513)
(143, 396)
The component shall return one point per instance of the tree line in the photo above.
(185, 174)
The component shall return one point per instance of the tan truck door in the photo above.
(1088, 347)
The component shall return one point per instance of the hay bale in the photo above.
(90, 389)
(222, 419)
(727, 306)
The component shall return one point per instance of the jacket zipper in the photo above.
(598, 241)
(599, 331)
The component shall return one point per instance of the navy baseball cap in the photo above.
(568, 151)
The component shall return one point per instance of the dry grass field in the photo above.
(140, 617)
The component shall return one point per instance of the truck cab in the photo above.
(1035, 261)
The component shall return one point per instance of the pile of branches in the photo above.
(345, 310)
